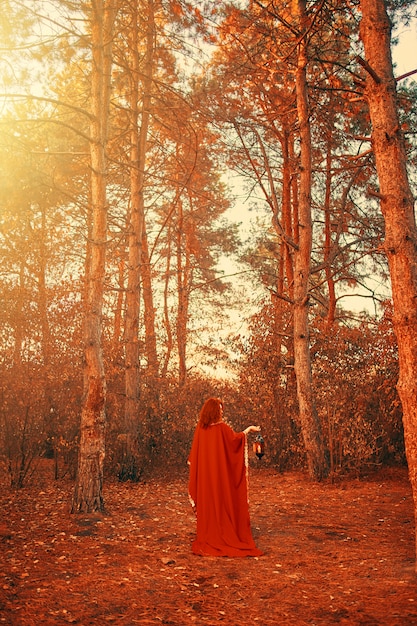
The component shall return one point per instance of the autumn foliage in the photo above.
(172, 123)
(355, 373)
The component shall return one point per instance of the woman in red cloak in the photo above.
(218, 486)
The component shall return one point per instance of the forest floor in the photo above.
(340, 553)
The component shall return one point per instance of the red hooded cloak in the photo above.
(219, 491)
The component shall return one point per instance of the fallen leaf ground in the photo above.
(334, 554)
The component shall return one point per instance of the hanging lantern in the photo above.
(259, 446)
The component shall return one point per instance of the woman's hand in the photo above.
(252, 429)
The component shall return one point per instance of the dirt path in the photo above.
(334, 554)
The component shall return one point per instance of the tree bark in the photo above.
(19, 316)
(167, 322)
(139, 132)
(49, 409)
(286, 210)
(331, 311)
(134, 231)
(118, 312)
(183, 285)
(88, 495)
(397, 206)
(149, 313)
(310, 423)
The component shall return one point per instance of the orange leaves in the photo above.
(177, 8)
(327, 548)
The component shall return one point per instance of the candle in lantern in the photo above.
(259, 446)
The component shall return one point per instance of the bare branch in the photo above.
(369, 69)
(28, 96)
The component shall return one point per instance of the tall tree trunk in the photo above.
(89, 481)
(183, 284)
(397, 206)
(43, 298)
(134, 230)
(167, 321)
(331, 311)
(149, 312)
(287, 138)
(281, 303)
(136, 225)
(19, 315)
(49, 409)
(118, 313)
(310, 424)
